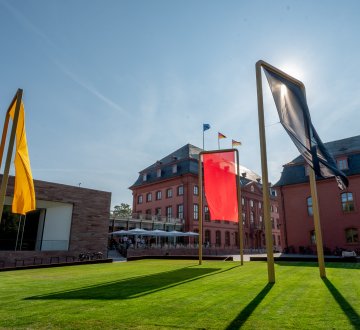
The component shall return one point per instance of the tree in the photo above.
(122, 210)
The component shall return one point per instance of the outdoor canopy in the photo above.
(156, 232)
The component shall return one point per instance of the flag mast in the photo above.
(17, 99)
(264, 170)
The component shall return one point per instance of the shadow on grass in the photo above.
(328, 264)
(136, 286)
(248, 310)
(349, 311)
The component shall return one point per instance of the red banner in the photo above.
(220, 185)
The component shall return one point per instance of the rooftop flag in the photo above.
(24, 193)
(221, 136)
(220, 175)
(294, 115)
(206, 127)
(235, 143)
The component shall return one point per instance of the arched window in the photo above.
(312, 237)
(347, 202)
(207, 237)
(227, 238)
(218, 238)
(309, 206)
(351, 235)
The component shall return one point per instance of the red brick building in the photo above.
(339, 210)
(68, 221)
(169, 189)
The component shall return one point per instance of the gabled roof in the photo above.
(294, 171)
(337, 148)
(186, 158)
(188, 151)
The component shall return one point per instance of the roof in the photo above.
(186, 158)
(294, 171)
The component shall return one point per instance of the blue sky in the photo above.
(112, 86)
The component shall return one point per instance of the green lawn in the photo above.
(166, 294)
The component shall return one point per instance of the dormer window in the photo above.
(144, 177)
(174, 168)
(342, 164)
(158, 173)
(252, 188)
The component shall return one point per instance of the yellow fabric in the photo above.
(24, 193)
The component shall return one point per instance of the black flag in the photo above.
(290, 101)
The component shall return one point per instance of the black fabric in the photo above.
(290, 101)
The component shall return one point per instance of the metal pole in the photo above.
(316, 214)
(238, 190)
(22, 234)
(266, 197)
(17, 235)
(200, 208)
(10, 151)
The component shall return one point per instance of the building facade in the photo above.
(339, 210)
(168, 190)
(68, 221)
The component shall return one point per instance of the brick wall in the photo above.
(90, 219)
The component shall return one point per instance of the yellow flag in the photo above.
(24, 193)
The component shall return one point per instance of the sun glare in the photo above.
(293, 70)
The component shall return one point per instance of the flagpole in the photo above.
(203, 139)
(266, 197)
(10, 150)
(200, 207)
(316, 215)
(218, 142)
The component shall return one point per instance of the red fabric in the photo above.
(220, 185)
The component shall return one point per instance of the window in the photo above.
(260, 205)
(279, 240)
(309, 206)
(312, 237)
(174, 168)
(227, 238)
(252, 188)
(140, 199)
(180, 190)
(180, 211)
(158, 195)
(169, 212)
(243, 201)
(347, 202)
(148, 197)
(252, 217)
(218, 238)
(243, 218)
(251, 203)
(351, 235)
(207, 238)
(158, 211)
(206, 213)
(196, 211)
(260, 219)
(169, 193)
(342, 164)
(196, 190)
(158, 172)
(144, 177)
(273, 237)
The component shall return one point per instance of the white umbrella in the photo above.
(138, 231)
